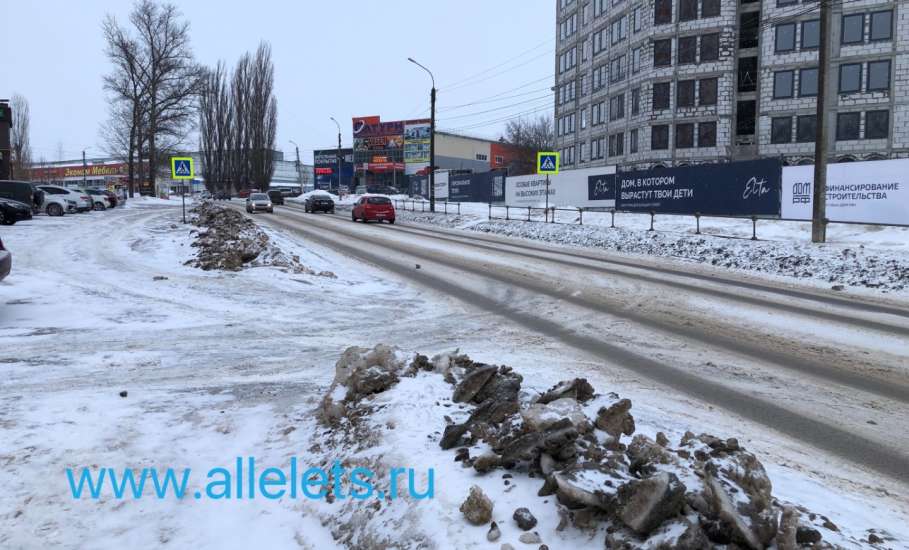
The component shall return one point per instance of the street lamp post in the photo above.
(432, 137)
(339, 153)
(84, 169)
(299, 172)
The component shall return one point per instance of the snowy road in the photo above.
(825, 370)
(219, 365)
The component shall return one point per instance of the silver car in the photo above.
(258, 202)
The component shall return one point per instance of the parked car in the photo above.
(12, 211)
(24, 192)
(6, 261)
(99, 198)
(83, 201)
(373, 207)
(112, 197)
(277, 197)
(258, 202)
(222, 196)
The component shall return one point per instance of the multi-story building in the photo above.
(641, 84)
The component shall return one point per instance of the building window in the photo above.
(781, 130)
(617, 69)
(710, 47)
(684, 93)
(596, 114)
(811, 34)
(881, 25)
(684, 136)
(808, 82)
(850, 78)
(688, 10)
(636, 21)
(688, 49)
(481, 156)
(853, 29)
(878, 75)
(635, 101)
(847, 126)
(599, 77)
(786, 2)
(749, 29)
(659, 137)
(707, 134)
(660, 95)
(707, 88)
(662, 12)
(500, 160)
(583, 118)
(618, 30)
(617, 107)
(599, 7)
(636, 60)
(662, 53)
(617, 144)
(710, 8)
(782, 84)
(805, 128)
(785, 38)
(877, 124)
(633, 141)
(598, 43)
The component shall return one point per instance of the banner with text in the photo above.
(481, 187)
(567, 188)
(862, 192)
(745, 188)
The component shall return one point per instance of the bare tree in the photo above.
(21, 150)
(156, 76)
(215, 122)
(254, 120)
(263, 118)
(536, 134)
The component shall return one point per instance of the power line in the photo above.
(500, 73)
(547, 98)
(492, 100)
(507, 61)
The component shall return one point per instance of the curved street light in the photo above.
(432, 137)
(339, 154)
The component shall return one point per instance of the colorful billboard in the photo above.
(416, 145)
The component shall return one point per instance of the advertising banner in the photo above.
(441, 186)
(568, 188)
(480, 187)
(366, 127)
(861, 192)
(746, 188)
(416, 145)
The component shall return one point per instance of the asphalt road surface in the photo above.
(829, 371)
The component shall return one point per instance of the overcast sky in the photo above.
(332, 58)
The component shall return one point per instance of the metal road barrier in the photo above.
(419, 205)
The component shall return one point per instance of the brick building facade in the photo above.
(673, 82)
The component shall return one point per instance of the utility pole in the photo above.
(339, 155)
(84, 169)
(432, 138)
(299, 171)
(819, 189)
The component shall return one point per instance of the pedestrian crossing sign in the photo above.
(547, 163)
(181, 168)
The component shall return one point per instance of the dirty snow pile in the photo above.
(558, 468)
(229, 241)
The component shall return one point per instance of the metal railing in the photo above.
(420, 205)
(551, 215)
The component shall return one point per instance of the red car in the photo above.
(373, 208)
(244, 194)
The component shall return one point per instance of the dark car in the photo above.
(373, 208)
(6, 261)
(12, 211)
(22, 191)
(277, 197)
(319, 202)
(222, 196)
